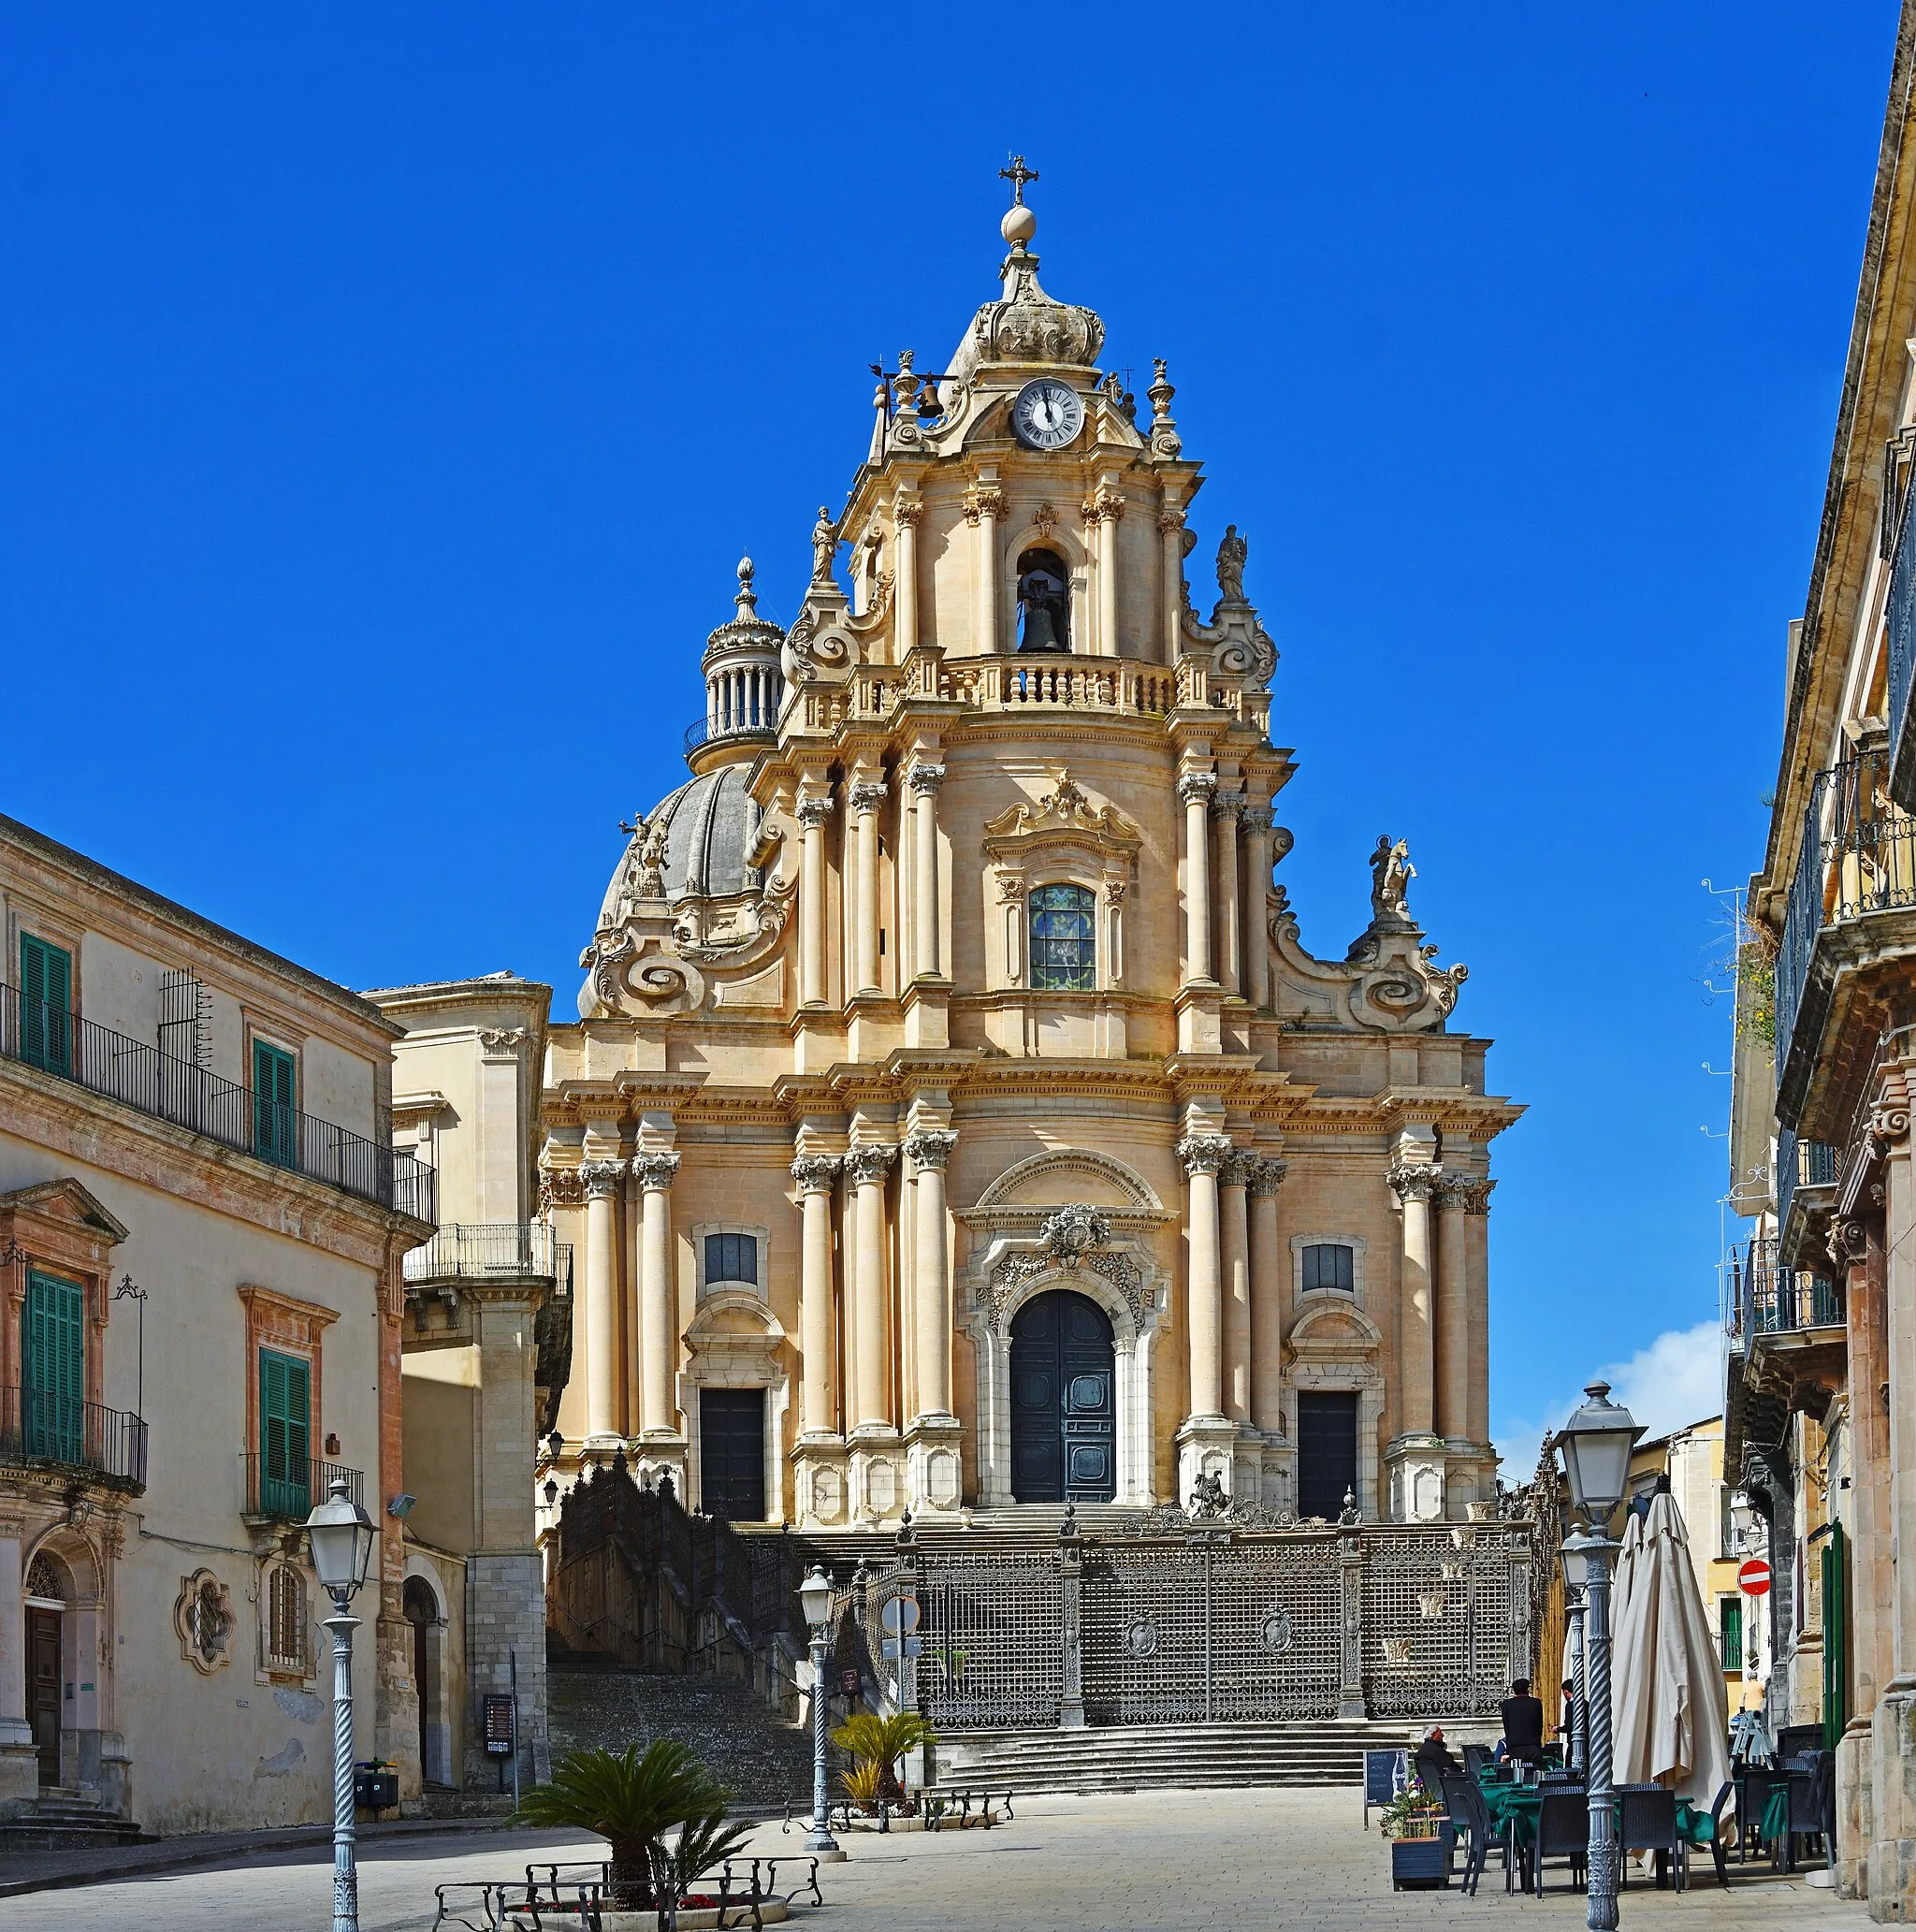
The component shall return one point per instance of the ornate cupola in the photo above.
(743, 686)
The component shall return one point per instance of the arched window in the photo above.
(1330, 1265)
(1063, 947)
(285, 1620)
(1044, 602)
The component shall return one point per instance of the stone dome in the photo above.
(709, 825)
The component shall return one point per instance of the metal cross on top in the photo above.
(1017, 174)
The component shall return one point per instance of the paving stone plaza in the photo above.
(1154, 1861)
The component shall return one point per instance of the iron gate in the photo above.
(991, 1652)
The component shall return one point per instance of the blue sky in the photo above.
(388, 397)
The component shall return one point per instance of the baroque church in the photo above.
(955, 1118)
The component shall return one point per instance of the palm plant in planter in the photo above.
(704, 1840)
(875, 1745)
(634, 1803)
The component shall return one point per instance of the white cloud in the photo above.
(1676, 1379)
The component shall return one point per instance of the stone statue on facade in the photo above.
(1232, 551)
(824, 546)
(1392, 873)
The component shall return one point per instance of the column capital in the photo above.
(1455, 1188)
(1170, 521)
(813, 811)
(926, 778)
(601, 1178)
(1196, 788)
(1204, 1154)
(931, 1147)
(1268, 1177)
(905, 510)
(1477, 1200)
(868, 1164)
(1241, 1168)
(1258, 816)
(983, 500)
(655, 1170)
(816, 1172)
(1227, 805)
(1413, 1180)
(868, 794)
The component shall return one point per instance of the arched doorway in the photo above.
(48, 1593)
(1064, 1414)
(421, 1610)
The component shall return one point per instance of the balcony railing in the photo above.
(67, 1433)
(1769, 1299)
(104, 1062)
(490, 1251)
(279, 1491)
(1801, 1164)
(1858, 857)
(1901, 627)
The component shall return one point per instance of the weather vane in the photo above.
(1017, 174)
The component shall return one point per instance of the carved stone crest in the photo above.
(203, 1620)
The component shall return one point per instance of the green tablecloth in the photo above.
(1775, 1814)
(1520, 1804)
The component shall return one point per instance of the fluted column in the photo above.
(1271, 1294)
(813, 814)
(867, 799)
(1234, 1229)
(867, 1166)
(658, 1331)
(1195, 790)
(931, 1290)
(1453, 1349)
(1414, 1182)
(1256, 944)
(905, 516)
(925, 780)
(1203, 1157)
(1170, 535)
(817, 1175)
(984, 505)
(1224, 808)
(601, 1181)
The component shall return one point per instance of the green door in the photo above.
(285, 1437)
(54, 1368)
(1835, 1637)
(45, 1005)
(275, 1122)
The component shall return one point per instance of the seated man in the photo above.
(1523, 1723)
(1433, 1763)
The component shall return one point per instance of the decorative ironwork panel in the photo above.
(990, 1641)
(1276, 1616)
(1437, 1623)
(1148, 1654)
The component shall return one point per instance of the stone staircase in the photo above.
(591, 1701)
(64, 1820)
(1030, 1526)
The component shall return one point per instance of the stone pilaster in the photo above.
(661, 1443)
(1271, 1294)
(1225, 811)
(1207, 1437)
(877, 1489)
(1255, 964)
(818, 1463)
(933, 1442)
(867, 799)
(1196, 789)
(814, 814)
(604, 1181)
(1414, 1458)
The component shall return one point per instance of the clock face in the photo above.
(1047, 415)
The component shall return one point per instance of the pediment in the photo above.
(66, 1201)
(1334, 1327)
(1065, 816)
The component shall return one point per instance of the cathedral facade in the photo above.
(955, 1118)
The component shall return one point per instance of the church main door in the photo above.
(1064, 1417)
(731, 1453)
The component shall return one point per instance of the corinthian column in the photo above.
(983, 506)
(601, 1181)
(925, 780)
(867, 799)
(658, 1331)
(817, 1174)
(1195, 790)
(1413, 1183)
(1203, 1157)
(1270, 1282)
(1224, 808)
(1453, 1349)
(1170, 535)
(905, 516)
(1256, 964)
(1477, 1234)
(867, 1168)
(929, 1150)
(1235, 1240)
(813, 814)
(1106, 506)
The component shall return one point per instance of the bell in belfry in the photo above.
(1044, 602)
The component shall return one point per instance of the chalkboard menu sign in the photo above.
(498, 1726)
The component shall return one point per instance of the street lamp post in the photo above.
(815, 1599)
(1580, 1704)
(342, 1536)
(1596, 1443)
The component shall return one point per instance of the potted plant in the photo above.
(1421, 1839)
(876, 1746)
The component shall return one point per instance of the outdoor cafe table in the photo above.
(1513, 1809)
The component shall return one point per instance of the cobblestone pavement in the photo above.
(1143, 1861)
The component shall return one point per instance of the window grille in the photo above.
(285, 1620)
(1331, 1265)
(1063, 947)
(731, 1258)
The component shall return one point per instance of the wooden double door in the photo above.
(1063, 1401)
(43, 1687)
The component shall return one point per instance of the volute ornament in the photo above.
(869, 1163)
(1204, 1154)
(816, 1172)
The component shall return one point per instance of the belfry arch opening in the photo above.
(1044, 602)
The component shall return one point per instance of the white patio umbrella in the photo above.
(1668, 1706)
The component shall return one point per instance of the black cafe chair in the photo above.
(1648, 1823)
(1474, 1758)
(1563, 1831)
(1752, 1802)
(1719, 1850)
(1470, 1816)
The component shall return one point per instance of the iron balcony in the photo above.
(282, 1490)
(59, 1431)
(480, 1251)
(1899, 545)
(1806, 1176)
(55, 1042)
(1850, 924)
(1766, 1298)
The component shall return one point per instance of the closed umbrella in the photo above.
(1669, 1703)
(1630, 1650)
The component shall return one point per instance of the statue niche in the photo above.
(1044, 602)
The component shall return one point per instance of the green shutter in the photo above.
(46, 1004)
(275, 1122)
(1835, 1637)
(1730, 1611)
(54, 1367)
(285, 1436)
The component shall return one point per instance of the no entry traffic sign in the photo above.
(1753, 1577)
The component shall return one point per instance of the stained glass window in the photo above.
(1063, 947)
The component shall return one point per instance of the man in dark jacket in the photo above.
(1523, 1722)
(1433, 1763)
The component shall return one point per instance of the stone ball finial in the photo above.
(1019, 226)
(747, 601)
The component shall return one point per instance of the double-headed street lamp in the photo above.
(815, 1599)
(342, 1536)
(1596, 1443)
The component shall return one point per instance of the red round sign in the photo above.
(1753, 1577)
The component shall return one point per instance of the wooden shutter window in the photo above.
(54, 1367)
(285, 1435)
(45, 1005)
(275, 1124)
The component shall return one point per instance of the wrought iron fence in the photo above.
(283, 1491)
(489, 1250)
(104, 1062)
(38, 1427)
(1901, 627)
(1801, 1164)
(1766, 1298)
(990, 1646)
